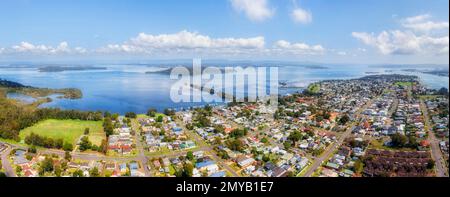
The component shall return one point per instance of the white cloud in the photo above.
(421, 23)
(26, 47)
(300, 15)
(188, 43)
(416, 19)
(362, 50)
(80, 50)
(342, 53)
(420, 36)
(297, 48)
(183, 41)
(255, 10)
(403, 42)
(62, 47)
(181, 44)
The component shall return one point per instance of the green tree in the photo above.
(85, 144)
(67, 146)
(287, 145)
(190, 156)
(412, 142)
(108, 126)
(58, 170)
(64, 165)
(169, 112)
(18, 170)
(115, 116)
(159, 119)
(235, 144)
(67, 156)
(317, 152)
(295, 136)
(151, 112)
(107, 114)
(130, 115)
(264, 140)
(430, 164)
(86, 131)
(358, 166)
(188, 170)
(399, 140)
(46, 165)
(94, 172)
(344, 119)
(77, 173)
(103, 147)
(218, 129)
(238, 133)
(32, 149)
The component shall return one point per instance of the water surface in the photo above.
(123, 88)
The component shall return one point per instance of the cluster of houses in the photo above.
(342, 163)
(285, 164)
(439, 118)
(259, 120)
(164, 135)
(110, 169)
(347, 96)
(204, 166)
(29, 167)
(409, 118)
(162, 165)
(124, 169)
(336, 166)
(377, 118)
(394, 112)
(122, 140)
(254, 165)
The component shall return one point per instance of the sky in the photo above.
(344, 31)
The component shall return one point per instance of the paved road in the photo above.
(140, 148)
(9, 171)
(206, 147)
(318, 162)
(203, 146)
(324, 156)
(441, 170)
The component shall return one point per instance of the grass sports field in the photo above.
(404, 84)
(68, 130)
(314, 88)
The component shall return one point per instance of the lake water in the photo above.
(123, 88)
(21, 97)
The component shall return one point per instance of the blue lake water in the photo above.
(123, 88)
(20, 97)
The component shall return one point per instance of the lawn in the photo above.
(68, 130)
(404, 84)
(314, 88)
(379, 145)
(429, 97)
(140, 116)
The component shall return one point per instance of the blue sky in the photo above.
(346, 31)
